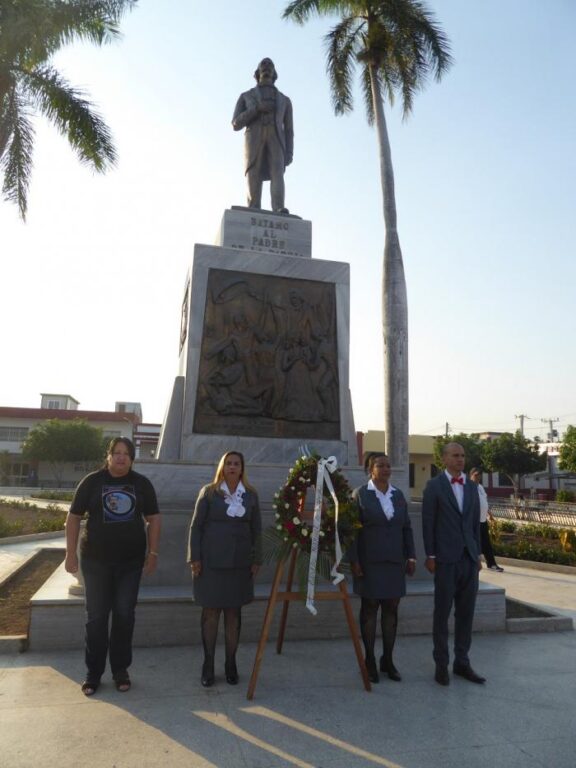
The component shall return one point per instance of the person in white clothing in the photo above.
(486, 544)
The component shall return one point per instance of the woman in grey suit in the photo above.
(223, 554)
(380, 557)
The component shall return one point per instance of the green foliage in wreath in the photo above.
(290, 531)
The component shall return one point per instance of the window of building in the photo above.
(411, 474)
(13, 434)
(55, 404)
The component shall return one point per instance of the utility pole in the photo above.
(447, 432)
(552, 430)
(522, 416)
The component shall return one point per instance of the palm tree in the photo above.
(31, 31)
(397, 44)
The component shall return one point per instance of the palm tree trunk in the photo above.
(394, 309)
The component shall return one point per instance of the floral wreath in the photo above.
(293, 531)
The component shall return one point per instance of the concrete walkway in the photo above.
(310, 709)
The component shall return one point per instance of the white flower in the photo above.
(292, 488)
(286, 506)
(301, 480)
(276, 495)
(277, 516)
(285, 538)
(304, 531)
(321, 533)
(279, 527)
(295, 544)
(296, 520)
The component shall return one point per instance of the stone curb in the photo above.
(13, 644)
(31, 537)
(18, 567)
(537, 565)
(541, 624)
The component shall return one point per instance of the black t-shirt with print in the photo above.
(116, 507)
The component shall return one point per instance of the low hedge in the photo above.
(528, 541)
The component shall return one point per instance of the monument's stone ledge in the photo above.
(254, 229)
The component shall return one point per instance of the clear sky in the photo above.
(485, 166)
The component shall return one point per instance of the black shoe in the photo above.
(207, 678)
(372, 671)
(390, 670)
(441, 676)
(231, 672)
(468, 673)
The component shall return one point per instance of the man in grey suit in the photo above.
(451, 528)
(269, 138)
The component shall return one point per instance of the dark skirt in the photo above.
(381, 581)
(223, 587)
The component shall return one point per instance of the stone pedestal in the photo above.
(264, 358)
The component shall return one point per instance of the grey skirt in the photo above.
(224, 587)
(381, 581)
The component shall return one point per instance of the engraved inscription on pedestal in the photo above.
(269, 358)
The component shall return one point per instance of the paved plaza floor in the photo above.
(310, 709)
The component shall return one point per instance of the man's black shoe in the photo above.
(468, 673)
(442, 677)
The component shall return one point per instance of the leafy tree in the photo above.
(31, 32)
(397, 44)
(472, 447)
(59, 442)
(568, 450)
(513, 456)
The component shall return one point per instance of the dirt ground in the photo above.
(28, 517)
(15, 595)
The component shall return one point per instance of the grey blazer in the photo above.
(448, 533)
(381, 539)
(220, 541)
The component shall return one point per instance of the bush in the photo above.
(46, 524)
(9, 529)
(565, 495)
(525, 550)
(539, 531)
(505, 526)
(15, 504)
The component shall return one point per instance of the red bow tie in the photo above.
(457, 480)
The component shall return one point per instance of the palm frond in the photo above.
(342, 43)
(16, 160)
(301, 10)
(73, 115)
(31, 32)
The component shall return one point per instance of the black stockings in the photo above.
(389, 624)
(209, 623)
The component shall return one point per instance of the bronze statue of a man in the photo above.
(269, 138)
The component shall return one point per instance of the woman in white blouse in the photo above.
(380, 557)
(223, 553)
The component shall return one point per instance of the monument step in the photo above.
(167, 615)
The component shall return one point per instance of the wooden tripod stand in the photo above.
(287, 597)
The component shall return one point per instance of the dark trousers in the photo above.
(486, 544)
(110, 588)
(454, 584)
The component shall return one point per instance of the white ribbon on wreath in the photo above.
(323, 477)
